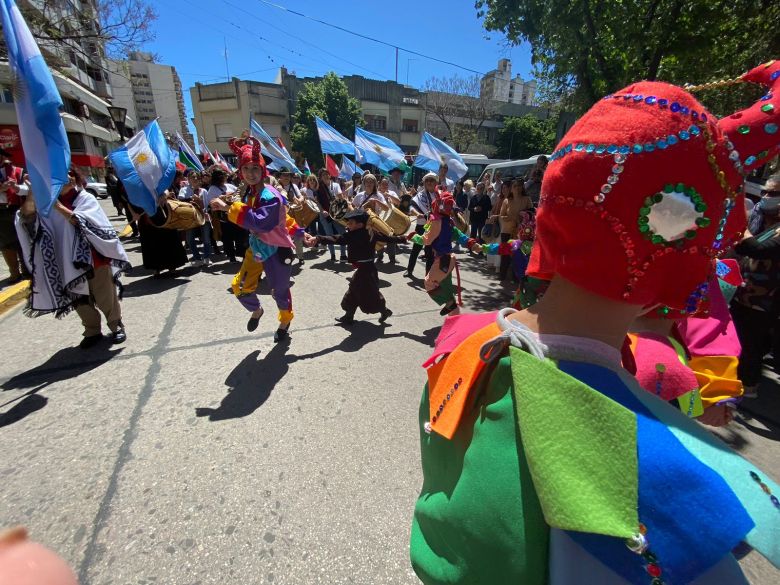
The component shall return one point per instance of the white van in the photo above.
(511, 168)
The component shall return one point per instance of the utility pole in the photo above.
(396, 64)
(227, 68)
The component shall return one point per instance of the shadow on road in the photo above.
(152, 285)
(67, 363)
(250, 384)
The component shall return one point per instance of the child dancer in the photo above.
(363, 292)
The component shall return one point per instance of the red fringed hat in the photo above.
(248, 150)
(645, 191)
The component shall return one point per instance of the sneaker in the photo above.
(119, 336)
(408, 274)
(346, 319)
(196, 263)
(91, 341)
(254, 321)
(343, 260)
(206, 262)
(385, 314)
(750, 392)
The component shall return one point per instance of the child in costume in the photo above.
(271, 241)
(438, 280)
(544, 461)
(363, 292)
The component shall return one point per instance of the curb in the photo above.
(13, 295)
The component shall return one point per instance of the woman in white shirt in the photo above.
(369, 197)
(234, 238)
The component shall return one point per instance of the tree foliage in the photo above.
(525, 136)
(115, 26)
(585, 49)
(456, 102)
(328, 99)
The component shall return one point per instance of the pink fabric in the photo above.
(455, 330)
(714, 335)
(279, 236)
(652, 350)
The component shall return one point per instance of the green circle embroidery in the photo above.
(673, 215)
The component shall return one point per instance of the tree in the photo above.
(113, 26)
(456, 102)
(525, 136)
(328, 99)
(585, 49)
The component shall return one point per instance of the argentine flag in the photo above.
(331, 141)
(37, 103)
(433, 153)
(272, 149)
(146, 166)
(378, 150)
(348, 168)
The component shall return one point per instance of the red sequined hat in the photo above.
(646, 189)
(248, 150)
(443, 204)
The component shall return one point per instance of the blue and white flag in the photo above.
(38, 103)
(433, 153)
(331, 141)
(146, 165)
(348, 168)
(186, 155)
(378, 150)
(271, 148)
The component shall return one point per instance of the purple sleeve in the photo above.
(256, 219)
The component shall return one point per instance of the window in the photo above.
(376, 122)
(410, 125)
(96, 142)
(224, 132)
(76, 142)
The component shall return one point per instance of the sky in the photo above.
(261, 38)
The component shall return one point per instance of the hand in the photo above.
(716, 416)
(218, 204)
(310, 241)
(410, 235)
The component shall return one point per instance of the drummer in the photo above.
(371, 198)
(396, 185)
(288, 188)
(363, 292)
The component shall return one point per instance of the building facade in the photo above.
(152, 91)
(80, 70)
(499, 85)
(223, 110)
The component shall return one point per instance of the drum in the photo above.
(182, 215)
(460, 222)
(377, 224)
(304, 213)
(338, 209)
(398, 221)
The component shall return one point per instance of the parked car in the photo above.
(99, 190)
(510, 168)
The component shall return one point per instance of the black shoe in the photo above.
(343, 260)
(408, 274)
(119, 336)
(281, 334)
(385, 314)
(253, 322)
(91, 341)
(346, 319)
(448, 308)
(232, 259)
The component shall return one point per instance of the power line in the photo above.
(365, 37)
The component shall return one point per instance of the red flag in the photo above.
(280, 143)
(333, 168)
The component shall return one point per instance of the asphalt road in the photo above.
(197, 453)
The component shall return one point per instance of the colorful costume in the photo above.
(271, 244)
(438, 280)
(544, 461)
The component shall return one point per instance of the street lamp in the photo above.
(119, 117)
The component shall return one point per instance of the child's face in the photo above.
(353, 224)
